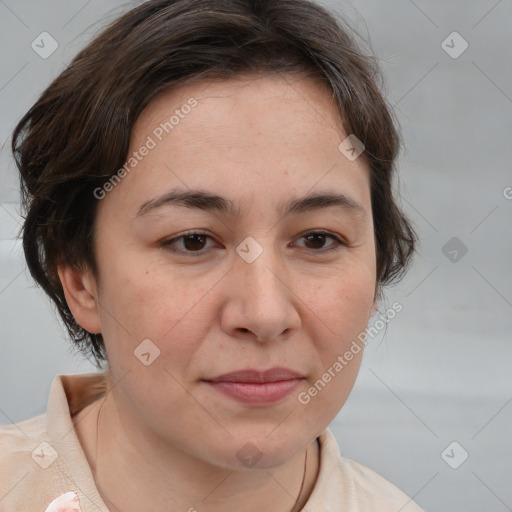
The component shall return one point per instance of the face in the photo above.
(255, 278)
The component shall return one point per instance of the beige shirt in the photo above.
(41, 458)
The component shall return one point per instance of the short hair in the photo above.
(77, 134)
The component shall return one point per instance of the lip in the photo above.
(257, 376)
(257, 387)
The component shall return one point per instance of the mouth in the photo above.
(257, 387)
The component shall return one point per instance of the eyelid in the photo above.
(166, 243)
(339, 242)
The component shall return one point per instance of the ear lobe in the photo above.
(80, 290)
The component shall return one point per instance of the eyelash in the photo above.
(167, 244)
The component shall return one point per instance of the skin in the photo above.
(259, 141)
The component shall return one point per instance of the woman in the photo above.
(209, 204)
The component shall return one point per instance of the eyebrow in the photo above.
(212, 202)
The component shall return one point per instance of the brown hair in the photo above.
(77, 134)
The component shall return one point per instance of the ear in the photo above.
(80, 290)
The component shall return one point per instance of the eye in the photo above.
(315, 241)
(193, 243)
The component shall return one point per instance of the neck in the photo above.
(161, 474)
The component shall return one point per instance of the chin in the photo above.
(260, 451)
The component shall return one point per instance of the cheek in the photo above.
(321, 401)
(342, 308)
(142, 302)
(137, 294)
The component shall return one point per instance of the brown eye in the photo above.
(194, 242)
(189, 244)
(315, 241)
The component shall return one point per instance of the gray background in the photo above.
(442, 371)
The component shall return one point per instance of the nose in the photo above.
(261, 303)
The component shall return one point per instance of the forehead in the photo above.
(250, 89)
(246, 137)
(244, 112)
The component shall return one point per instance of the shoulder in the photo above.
(349, 485)
(32, 472)
(41, 457)
(19, 439)
(374, 491)
(23, 455)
